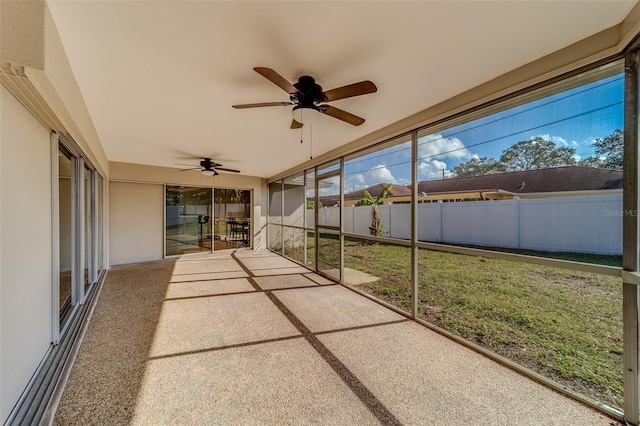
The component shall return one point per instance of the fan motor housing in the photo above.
(206, 163)
(310, 93)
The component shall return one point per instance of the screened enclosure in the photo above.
(501, 227)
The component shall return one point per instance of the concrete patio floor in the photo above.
(252, 338)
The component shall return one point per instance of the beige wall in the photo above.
(38, 94)
(137, 220)
(127, 179)
(22, 32)
(25, 248)
(68, 100)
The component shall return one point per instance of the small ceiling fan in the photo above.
(308, 98)
(208, 167)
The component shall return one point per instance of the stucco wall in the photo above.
(25, 248)
(136, 219)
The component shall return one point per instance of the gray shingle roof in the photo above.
(557, 179)
(375, 190)
(571, 178)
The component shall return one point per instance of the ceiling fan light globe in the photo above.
(208, 172)
(305, 115)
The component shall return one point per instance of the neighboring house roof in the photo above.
(375, 190)
(557, 179)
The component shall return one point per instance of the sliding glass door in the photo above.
(77, 230)
(66, 178)
(200, 220)
(232, 213)
(188, 220)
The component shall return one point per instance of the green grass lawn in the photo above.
(563, 324)
(566, 325)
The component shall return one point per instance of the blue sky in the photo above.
(573, 118)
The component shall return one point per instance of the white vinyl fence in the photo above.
(585, 224)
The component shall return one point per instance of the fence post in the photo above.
(388, 208)
(440, 236)
(353, 219)
(516, 221)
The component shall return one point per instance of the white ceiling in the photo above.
(159, 78)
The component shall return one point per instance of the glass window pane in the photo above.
(88, 226)
(331, 166)
(275, 202)
(540, 173)
(380, 269)
(294, 200)
(311, 199)
(377, 199)
(99, 220)
(310, 241)
(329, 200)
(329, 253)
(563, 324)
(232, 218)
(66, 165)
(294, 244)
(275, 237)
(188, 220)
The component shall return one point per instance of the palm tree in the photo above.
(367, 200)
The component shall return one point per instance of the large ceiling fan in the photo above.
(308, 98)
(208, 167)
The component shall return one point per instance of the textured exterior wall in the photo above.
(25, 248)
(22, 32)
(136, 222)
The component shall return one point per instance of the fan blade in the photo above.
(263, 104)
(183, 164)
(355, 89)
(227, 170)
(295, 124)
(193, 168)
(341, 115)
(276, 79)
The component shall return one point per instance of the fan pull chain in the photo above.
(311, 141)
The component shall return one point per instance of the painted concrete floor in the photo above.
(250, 338)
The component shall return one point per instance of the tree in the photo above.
(478, 167)
(611, 148)
(536, 153)
(592, 161)
(311, 204)
(367, 200)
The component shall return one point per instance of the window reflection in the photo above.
(65, 183)
(232, 227)
(88, 227)
(188, 220)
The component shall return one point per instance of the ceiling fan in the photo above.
(208, 167)
(308, 98)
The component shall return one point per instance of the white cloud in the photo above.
(381, 174)
(437, 146)
(333, 189)
(557, 140)
(354, 182)
(432, 170)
